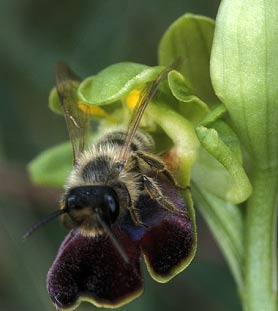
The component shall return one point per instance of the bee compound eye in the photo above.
(112, 206)
(72, 202)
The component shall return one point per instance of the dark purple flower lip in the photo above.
(91, 268)
(165, 260)
(88, 298)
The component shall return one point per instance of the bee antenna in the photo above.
(44, 221)
(112, 237)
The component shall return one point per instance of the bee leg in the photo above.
(155, 193)
(135, 216)
(158, 165)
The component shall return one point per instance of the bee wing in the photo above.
(146, 96)
(77, 121)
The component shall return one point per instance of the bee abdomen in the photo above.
(141, 141)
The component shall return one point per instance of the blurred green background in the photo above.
(89, 35)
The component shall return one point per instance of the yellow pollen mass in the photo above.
(133, 98)
(94, 111)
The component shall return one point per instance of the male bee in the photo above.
(120, 201)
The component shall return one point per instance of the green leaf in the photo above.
(54, 102)
(52, 167)
(244, 70)
(189, 39)
(240, 188)
(226, 223)
(115, 82)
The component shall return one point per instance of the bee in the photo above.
(120, 201)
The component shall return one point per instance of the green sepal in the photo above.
(54, 103)
(189, 39)
(52, 166)
(115, 82)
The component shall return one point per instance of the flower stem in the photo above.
(260, 291)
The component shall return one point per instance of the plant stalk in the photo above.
(260, 289)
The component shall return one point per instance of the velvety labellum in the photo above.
(91, 268)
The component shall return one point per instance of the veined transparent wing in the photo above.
(146, 96)
(77, 121)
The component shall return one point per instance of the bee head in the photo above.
(85, 203)
(92, 209)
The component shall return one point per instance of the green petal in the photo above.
(229, 138)
(115, 82)
(234, 183)
(180, 86)
(186, 147)
(180, 131)
(52, 167)
(190, 105)
(215, 114)
(189, 39)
